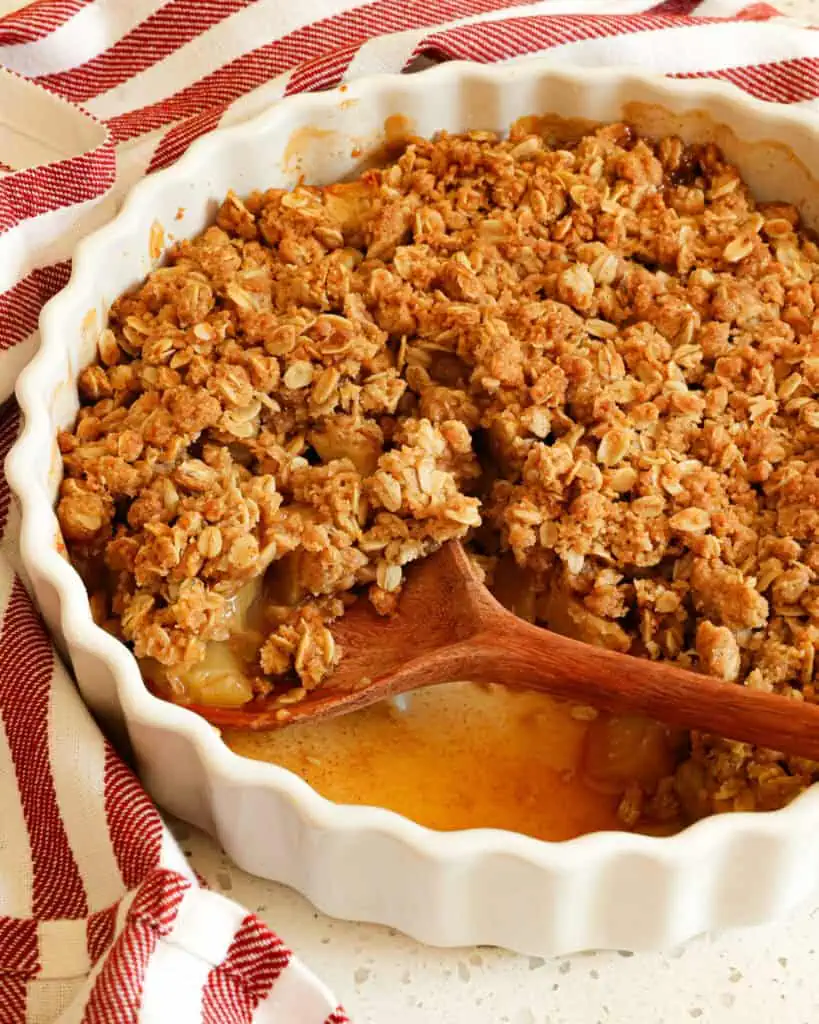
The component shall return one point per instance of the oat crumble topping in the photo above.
(595, 360)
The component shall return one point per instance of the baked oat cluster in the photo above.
(595, 360)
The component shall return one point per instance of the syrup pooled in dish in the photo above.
(450, 757)
(469, 756)
(594, 361)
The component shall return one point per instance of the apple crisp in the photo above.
(594, 360)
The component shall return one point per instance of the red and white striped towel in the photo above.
(101, 919)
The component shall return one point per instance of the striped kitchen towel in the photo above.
(101, 919)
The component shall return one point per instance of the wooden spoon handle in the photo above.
(519, 654)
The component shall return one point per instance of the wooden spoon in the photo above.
(449, 627)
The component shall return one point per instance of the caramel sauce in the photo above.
(398, 129)
(302, 141)
(451, 757)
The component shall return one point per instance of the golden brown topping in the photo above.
(596, 359)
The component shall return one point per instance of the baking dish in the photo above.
(605, 890)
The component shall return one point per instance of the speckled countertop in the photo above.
(756, 976)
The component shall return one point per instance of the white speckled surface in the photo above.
(754, 977)
(758, 976)
(807, 9)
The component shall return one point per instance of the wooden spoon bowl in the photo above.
(449, 627)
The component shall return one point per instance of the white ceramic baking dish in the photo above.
(486, 886)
